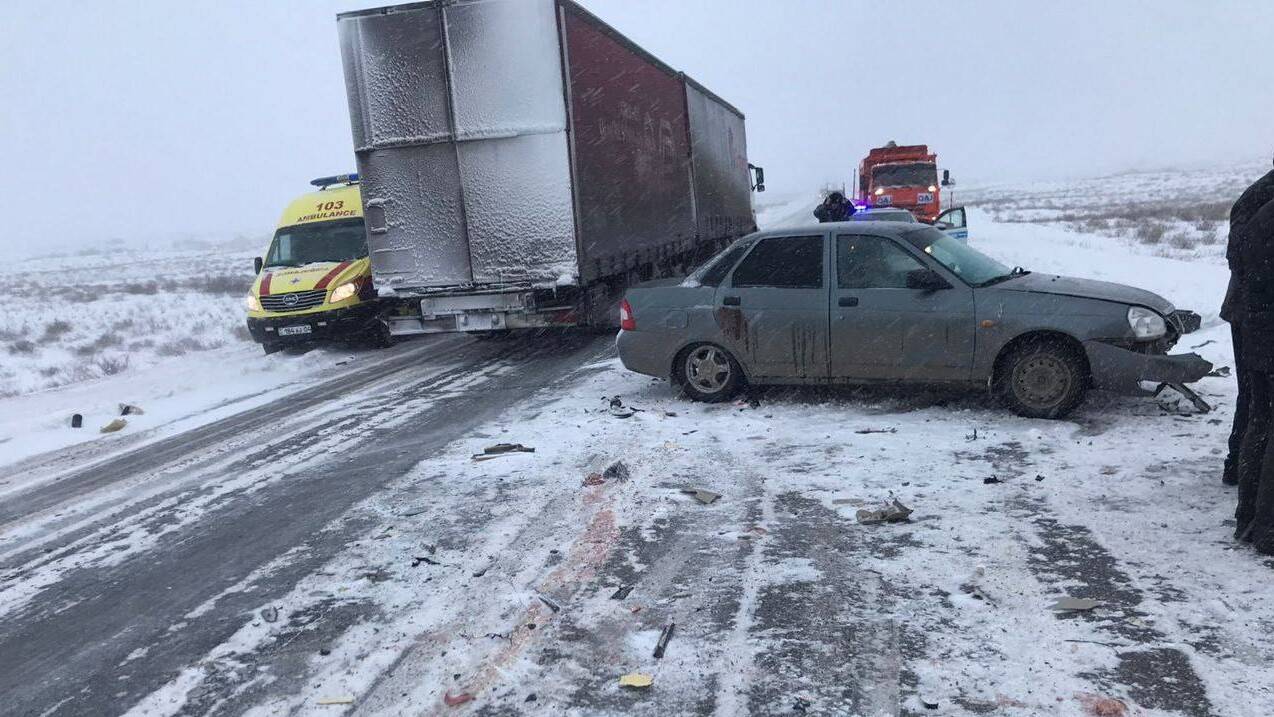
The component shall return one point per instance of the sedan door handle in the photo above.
(847, 301)
(731, 301)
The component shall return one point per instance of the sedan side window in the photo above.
(872, 262)
(783, 262)
(714, 273)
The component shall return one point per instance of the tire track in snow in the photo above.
(1156, 673)
(115, 611)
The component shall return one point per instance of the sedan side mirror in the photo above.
(926, 280)
(256, 264)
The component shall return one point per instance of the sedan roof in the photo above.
(884, 228)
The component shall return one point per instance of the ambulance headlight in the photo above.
(344, 291)
(1146, 324)
(253, 303)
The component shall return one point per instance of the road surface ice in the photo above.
(354, 557)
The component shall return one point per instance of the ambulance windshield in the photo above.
(319, 242)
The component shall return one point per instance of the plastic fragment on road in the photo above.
(706, 497)
(619, 410)
(551, 605)
(991, 480)
(1074, 604)
(456, 700)
(128, 409)
(336, 700)
(77, 420)
(594, 479)
(868, 431)
(501, 449)
(636, 680)
(893, 512)
(664, 637)
(116, 424)
(621, 592)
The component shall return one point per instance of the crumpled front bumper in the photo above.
(1122, 371)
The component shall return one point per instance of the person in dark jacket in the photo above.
(835, 208)
(1255, 512)
(1248, 203)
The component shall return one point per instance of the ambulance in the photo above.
(314, 283)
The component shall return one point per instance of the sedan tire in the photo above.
(1042, 379)
(708, 373)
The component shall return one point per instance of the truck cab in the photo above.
(902, 176)
(314, 283)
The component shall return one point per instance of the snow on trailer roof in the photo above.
(578, 9)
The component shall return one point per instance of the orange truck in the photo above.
(903, 176)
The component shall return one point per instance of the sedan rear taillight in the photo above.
(627, 321)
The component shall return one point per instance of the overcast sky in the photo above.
(155, 119)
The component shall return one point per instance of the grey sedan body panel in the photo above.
(1087, 289)
(891, 305)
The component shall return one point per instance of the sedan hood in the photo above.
(1088, 289)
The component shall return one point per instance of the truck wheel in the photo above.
(707, 372)
(380, 337)
(271, 348)
(1042, 379)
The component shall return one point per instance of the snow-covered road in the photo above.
(355, 558)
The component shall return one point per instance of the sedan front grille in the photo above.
(293, 301)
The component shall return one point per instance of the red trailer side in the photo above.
(630, 148)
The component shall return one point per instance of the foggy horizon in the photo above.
(147, 121)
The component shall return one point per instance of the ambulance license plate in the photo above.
(295, 330)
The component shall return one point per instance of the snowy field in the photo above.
(1181, 214)
(946, 614)
(157, 328)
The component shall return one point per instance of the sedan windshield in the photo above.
(322, 242)
(919, 174)
(969, 264)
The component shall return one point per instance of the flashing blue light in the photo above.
(324, 182)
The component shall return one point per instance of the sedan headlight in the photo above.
(344, 291)
(1146, 324)
(253, 303)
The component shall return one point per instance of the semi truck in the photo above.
(903, 176)
(522, 163)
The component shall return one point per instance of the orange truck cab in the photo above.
(314, 283)
(903, 176)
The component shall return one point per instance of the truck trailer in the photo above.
(522, 163)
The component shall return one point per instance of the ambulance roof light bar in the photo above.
(325, 182)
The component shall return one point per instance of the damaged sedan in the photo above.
(884, 302)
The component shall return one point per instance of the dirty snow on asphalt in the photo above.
(532, 581)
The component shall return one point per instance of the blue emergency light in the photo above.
(324, 182)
